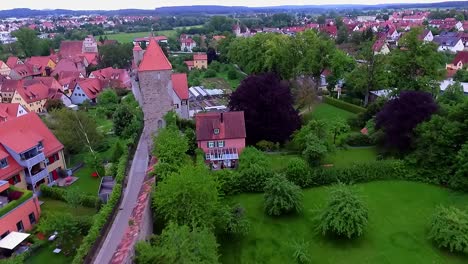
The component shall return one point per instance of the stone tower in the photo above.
(154, 73)
(137, 54)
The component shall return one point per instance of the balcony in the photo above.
(13, 198)
(31, 158)
(33, 178)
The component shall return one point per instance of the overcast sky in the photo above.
(150, 4)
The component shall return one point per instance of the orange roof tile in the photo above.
(154, 58)
(180, 85)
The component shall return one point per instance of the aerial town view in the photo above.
(180, 132)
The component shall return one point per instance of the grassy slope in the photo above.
(399, 214)
(128, 37)
(326, 111)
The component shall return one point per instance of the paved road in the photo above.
(130, 195)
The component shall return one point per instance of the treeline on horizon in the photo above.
(215, 9)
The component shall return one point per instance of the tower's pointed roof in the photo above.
(154, 58)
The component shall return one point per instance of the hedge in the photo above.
(11, 205)
(103, 215)
(57, 193)
(343, 105)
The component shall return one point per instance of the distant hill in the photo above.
(215, 9)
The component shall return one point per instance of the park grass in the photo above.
(127, 37)
(45, 255)
(56, 206)
(325, 111)
(399, 215)
(346, 157)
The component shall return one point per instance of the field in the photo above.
(326, 112)
(128, 37)
(399, 214)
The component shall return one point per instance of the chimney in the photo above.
(222, 117)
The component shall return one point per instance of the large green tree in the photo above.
(416, 65)
(117, 56)
(370, 75)
(179, 244)
(189, 197)
(27, 41)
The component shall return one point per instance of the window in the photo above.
(3, 163)
(32, 218)
(211, 144)
(207, 156)
(40, 145)
(221, 144)
(176, 106)
(20, 226)
(56, 157)
(216, 131)
(4, 234)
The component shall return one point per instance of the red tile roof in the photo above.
(154, 58)
(8, 111)
(65, 65)
(24, 70)
(40, 61)
(137, 47)
(119, 78)
(12, 62)
(18, 133)
(461, 56)
(33, 93)
(91, 87)
(180, 85)
(200, 56)
(189, 63)
(230, 125)
(10, 86)
(71, 48)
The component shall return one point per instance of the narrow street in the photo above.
(135, 180)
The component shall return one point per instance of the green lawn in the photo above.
(45, 255)
(127, 37)
(399, 213)
(345, 157)
(327, 112)
(278, 162)
(51, 206)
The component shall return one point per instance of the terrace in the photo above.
(11, 197)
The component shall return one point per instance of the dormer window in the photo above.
(216, 131)
(3, 163)
(40, 146)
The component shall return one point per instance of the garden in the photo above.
(318, 189)
(107, 132)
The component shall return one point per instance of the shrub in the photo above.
(232, 74)
(344, 215)
(265, 145)
(254, 170)
(282, 196)
(228, 181)
(301, 252)
(343, 105)
(234, 221)
(298, 172)
(315, 149)
(210, 73)
(449, 229)
(60, 194)
(357, 139)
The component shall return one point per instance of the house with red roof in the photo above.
(30, 155)
(4, 69)
(200, 61)
(187, 43)
(331, 30)
(86, 89)
(426, 36)
(460, 60)
(221, 136)
(25, 71)
(80, 50)
(44, 63)
(116, 78)
(8, 88)
(180, 94)
(69, 65)
(380, 47)
(13, 61)
(9, 111)
(33, 97)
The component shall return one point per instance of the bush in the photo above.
(357, 139)
(254, 170)
(232, 74)
(282, 196)
(344, 215)
(265, 145)
(210, 73)
(60, 194)
(449, 229)
(343, 105)
(298, 172)
(301, 252)
(234, 221)
(228, 181)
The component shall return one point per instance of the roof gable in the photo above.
(154, 58)
(230, 124)
(180, 85)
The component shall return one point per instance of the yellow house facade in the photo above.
(31, 104)
(4, 69)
